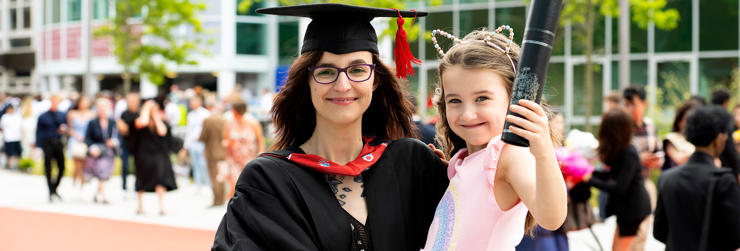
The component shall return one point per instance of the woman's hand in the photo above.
(534, 126)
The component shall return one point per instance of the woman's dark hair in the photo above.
(705, 123)
(78, 101)
(615, 134)
(681, 113)
(388, 117)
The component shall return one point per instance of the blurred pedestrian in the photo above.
(721, 98)
(11, 126)
(677, 149)
(243, 141)
(125, 125)
(49, 130)
(78, 119)
(729, 156)
(149, 141)
(628, 200)
(682, 221)
(100, 138)
(28, 122)
(212, 137)
(195, 148)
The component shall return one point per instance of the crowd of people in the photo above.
(211, 139)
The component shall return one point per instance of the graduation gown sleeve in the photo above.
(257, 218)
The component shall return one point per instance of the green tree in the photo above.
(580, 14)
(143, 39)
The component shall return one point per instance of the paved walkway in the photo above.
(77, 223)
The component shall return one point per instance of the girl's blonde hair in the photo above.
(473, 53)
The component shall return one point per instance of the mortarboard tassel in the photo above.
(402, 52)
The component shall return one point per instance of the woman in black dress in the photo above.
(149, 143)
(628, 199)
(346, 176)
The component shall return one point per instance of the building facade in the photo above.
(247, 60)
(17, 46)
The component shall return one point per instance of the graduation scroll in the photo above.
(529, 83)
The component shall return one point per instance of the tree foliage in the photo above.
(144, 39)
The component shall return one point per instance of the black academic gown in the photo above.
(279, 205)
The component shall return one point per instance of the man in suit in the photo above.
(212, 137)
(684, 191)
(49, 130)
(424, 132)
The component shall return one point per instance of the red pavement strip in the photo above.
(30, 230)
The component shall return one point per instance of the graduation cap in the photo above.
(342, 28)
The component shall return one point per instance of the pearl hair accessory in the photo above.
(488, 40)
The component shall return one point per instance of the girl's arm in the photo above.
(535, 175)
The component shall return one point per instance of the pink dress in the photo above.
(468, 216)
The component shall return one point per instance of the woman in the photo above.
(242, 139)
(677, 148)
(29, 128)
(342, 179)
(101, 142)
(149, 141)
(78, 119)
(628, 199)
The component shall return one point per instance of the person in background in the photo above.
(101, 140)
(612, 100)
(78, 119)
(11, 126)
(628, 200)
(125, 124)
(721, 98)
(243, 140)
(681, 219)
(28, 122)
(212, 137)
(49, 130)
(729, 156)
(677, 149)
(195, 148)
(424, 132)
(149, 141)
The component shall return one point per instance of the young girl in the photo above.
(492, 184)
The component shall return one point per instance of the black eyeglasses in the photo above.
(329, 74)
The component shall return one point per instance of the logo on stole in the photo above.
(368, 157)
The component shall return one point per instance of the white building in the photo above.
(248, 59)
(16, 46)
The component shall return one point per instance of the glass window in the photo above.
(555, 85)
(718, 17)
(74, 10)
(56, 11)
(100, 10)
(288, 42)
(678, 39)
(673, 84)
(26, 17)
(250, 39)
(473, 1)
(638, 37)
(717, 73)
(213, 8)
(20, 42)
(472, 20)
(441, 21)
(252, 9)
(579, 90)
(579, 37)
(638, 73)
(514, 17)
(13, 16)
(558, 46)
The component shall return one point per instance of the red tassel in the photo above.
(402, 52)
